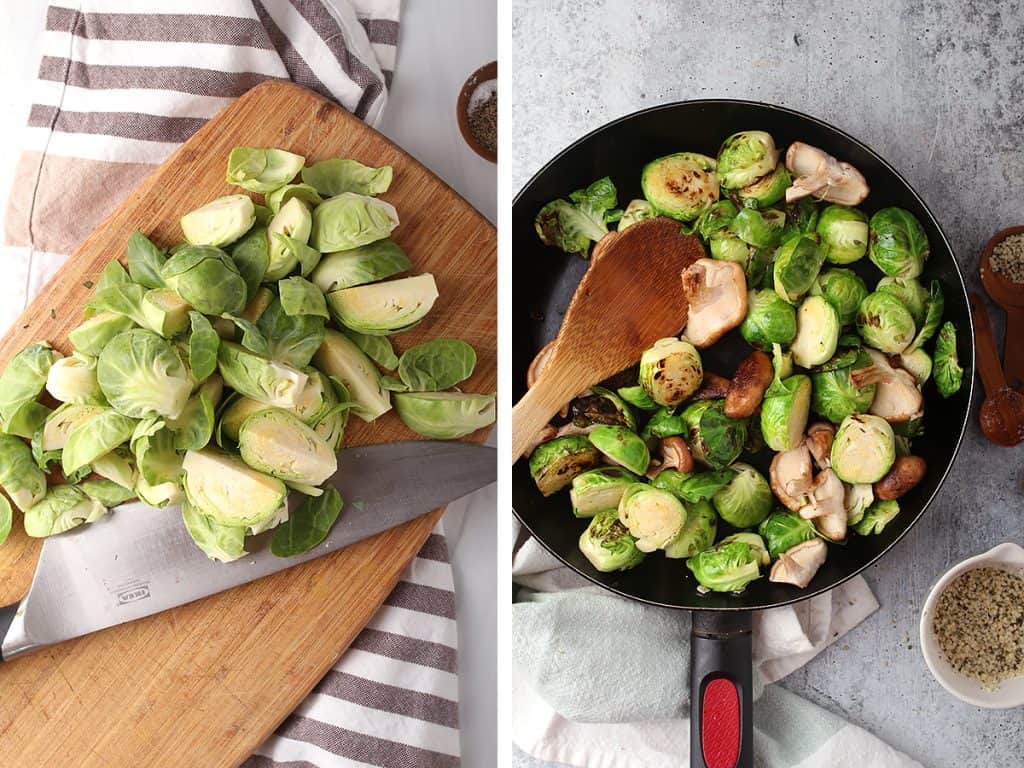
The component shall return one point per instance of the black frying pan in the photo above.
(543, 282)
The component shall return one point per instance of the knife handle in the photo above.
(7, 614)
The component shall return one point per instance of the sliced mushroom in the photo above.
(538, 363)
(746, 390)
(826, 505)
(717, 295)
(906, 472)
(790, 477)
(819, 442)
(897, 397)
(713, 387)
(675, 454)
(819, 174)
(797, 565)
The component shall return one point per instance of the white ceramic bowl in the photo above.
(1008, 557)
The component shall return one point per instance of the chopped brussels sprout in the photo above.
(207, 279)
(653, 516)
(599, 489)
(349, 220)
(165, 312)
(835, 394)
(262, 170)
(949, 376)
(784, 412)
(20, 478)
(621, 446)
(714, 438)
(225, 489)
(224, 543)
(884, 323)
(726, 568)
(745, 157)
(608, 545)
(761, 229)
(384, 308)
(118, 466)
(797, 264)
(337, 175)
(844, 234)
(680, 186)
(919, 364)
(770, 320)
(844, 290)
(445, 415)
(304, 192)
(72, 379)
(751, 539)
(863, 449)
(697, 533)
(269, 382)
(746, 500)
(142, 374)
(95, 332)
(359, 266)
(637, 210)
(340, 358)
(898, 244)
(877, 517)
(817, 332)
(278, 443)
(62, 508)
(769, 189)
(554, 464)
(49, 440)
(219, 222)
(670, 371)
(784, 530)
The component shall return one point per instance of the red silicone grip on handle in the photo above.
(720, 724)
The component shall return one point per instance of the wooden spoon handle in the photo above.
(542, 401)
(1013, 347)
(988, 359)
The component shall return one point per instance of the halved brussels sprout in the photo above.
(224, 543)
(220, 221)
(769, 189)
(207, 279)
(864, 449)
(746, 500)
(761, 229)
(817, 332)
(599, 489)
(836, 396)
(359, 266)
(770, 320)
(340, 358)
(262, 169)
(141, 374)
(20, 478)
(671, 480)
(637, 210)
(884, 323)
(637, 397)
(118, 466)
(254, 376)
(72, 379)
(910, 292)
(622, 446)
(726, 246)
(349, 220)
(949, 375)
(652, 515)
(554, 464)
(670, 371)
(50, 439)
(745, 157)
(751, 539)
(165, 312)
(384, 308)
(797, 264)
(293, 221)
(716, 217)
(608, 545)
(898, 244)
(228, 491)
(784, 412)
(445, 415)
(726, 568)
(62, 508)
(680, 186)
(877, 516)
(92, 335)
(278, 443)
(697, 533)
(602, 406)
(919, 364)
(843, 289)
(784, 530)
(714, 438)
(844, 234)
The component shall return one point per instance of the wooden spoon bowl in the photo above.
(1002, 413)
(1010, 296)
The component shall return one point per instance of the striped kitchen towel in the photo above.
(121, 84)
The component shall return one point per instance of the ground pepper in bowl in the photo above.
(483, 117)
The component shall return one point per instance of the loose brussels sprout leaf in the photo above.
(118, 466)
(158, 462)
(251, 255)
(50, 438)
(106, 492)
(24, 379)
(637, 210)
(359, 266)
(621, 446)
(713, 437)
(384, 308)
(670, 480)
(72, 379)
(203, 344)
(63, 508)
(571, 226)
(145, 261)
(844, 234)
(608, 545)
(797, 264)
(392, 384)
(745, 157)
(770, 320)
(664, 422)
(207, 279)
(949, 376)
(252, 337)
(220, 542)
(726, 568)
(287, 232)
(817, 332)
(671, 371)
(113, 274)
(27, 420)
(697, 533)
(877, 516)
(220, 221)
(278, 443)
(746, 500)
(262, 170)
(350, 220)
(761, 230)
(340, 358)
(936, 305)
(20, 478)
(142, 374)
(602, 406)
(784, 412)
(282, 195)
(194, 427)
(263, 215)
(92, 336)
(835, 396)
(784, 530)
(324, 406)
(755, 542)
(301, 297)
(703, 485)
(919, 364)
(863, 449)
(898, 244)
(164, 312)
(308, 525)
(843, 289)
(782, 363)
(909, 291)
(291, 340)
(268, 381)
(123, 299)
(680, 186)
(884, 323)
(6, 518)
(159, 495)
(599, 489)
(445, 415)
(436, 364)
(554, 464)
(637, 397)
(94, 438)
(377, 348)
(225, 489)
(337, 175)
(653, 516)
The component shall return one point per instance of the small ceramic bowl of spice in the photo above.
(972, 629)
(477, 111)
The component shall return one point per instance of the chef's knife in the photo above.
(139, 560)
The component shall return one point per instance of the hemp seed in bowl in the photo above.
(979, 625)
(1007, 258)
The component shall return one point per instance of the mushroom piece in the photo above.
(819, 442)
(746, 390)
(797, 565)
(819, 174)
(790, 477)
(547, 432)
(675, 454)
(897, 397)
(713, 387)
(906, 472)
(827, 505)
(538, 363)
(717, 295)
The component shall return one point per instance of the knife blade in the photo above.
(140, 560)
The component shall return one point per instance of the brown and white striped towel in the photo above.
(121, 84)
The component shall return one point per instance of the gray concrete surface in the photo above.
(938, 89)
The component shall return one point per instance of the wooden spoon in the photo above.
(1010, 296)
(1002, 413)
(630, 297)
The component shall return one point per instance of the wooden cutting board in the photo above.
(205, 683)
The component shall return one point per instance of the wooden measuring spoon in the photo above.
(631, 296)
(1002, 413)
(1010, 296)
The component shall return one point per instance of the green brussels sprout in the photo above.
(835, 395)
(761, 229)
(92, 335)
(220, 221)
(817, 332)
(141, 374)
(224, 543)
(194, 427)
(106, 492)
(769, 320)
(304, 192)
(384, 308)
(751, 539)
(207, 279)
(919, 364)
(337, 175)
(565, 226)
(276, 442)
(23, 380)
(62, 508)
(697, 533)
(445, 415)
(767, 190)
(50, 438)
(716, 217)
(349, 220)
(653, 516)
(801, 218)
(621, 446)
(637, 397)
(72, 379)
(726, 568)
(664, 422)
(844, 290)
(292, 224)
(607, 544)
(701, 486)
(599, 489)
(341, 359)
(20, 478)
(897, 243)
(844, 234)
(863, 449)
(934, 308)
(856, 500)
(784, 412)
(746, 500)
(909, 291)
(884, 323)
(680, 186)
(554, 464)
(949, 376)
(745, 157)
(324, 405)
(359, 266)
(877, 516)
(262, 170)
(671, 480)
(228, 491)
(797, 264)
(637, 210)
(270, 382)
(251, 255)
(94, 438)
(714, 438)
(670, 371)
(726, 246)
(782, 531)
(601, 407)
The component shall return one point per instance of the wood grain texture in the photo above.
(205, 683)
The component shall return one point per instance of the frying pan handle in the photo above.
(721, 716)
